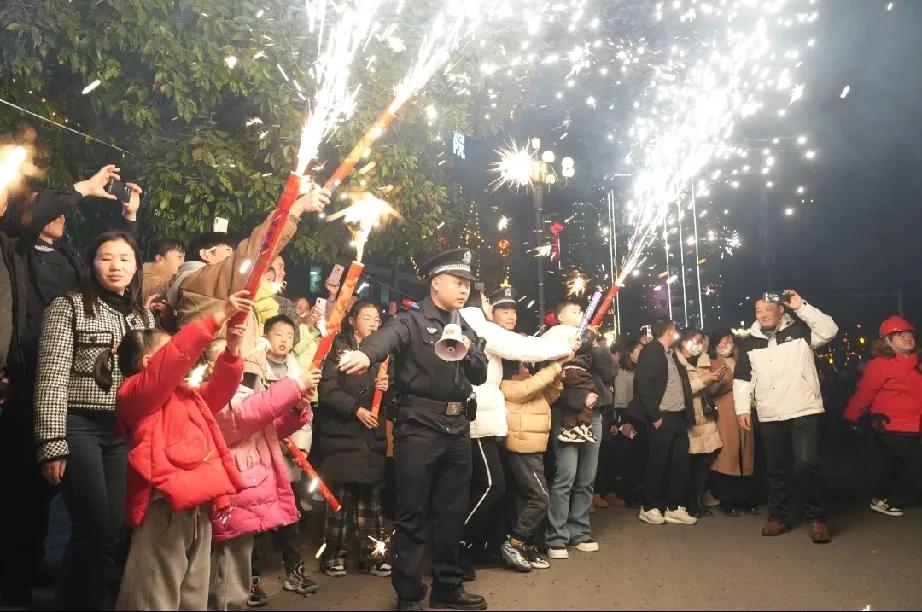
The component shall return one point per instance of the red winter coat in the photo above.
(890, 386)
(176, 445)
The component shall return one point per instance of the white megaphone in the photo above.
(451, 346)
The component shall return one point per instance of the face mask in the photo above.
(693, 348)
(724, 352)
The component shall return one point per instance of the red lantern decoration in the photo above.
(556, 228)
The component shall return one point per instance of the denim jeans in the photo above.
(94, 493)
(571, 491)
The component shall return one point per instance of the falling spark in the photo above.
(91, 87)
(503, 223)
(577, 283)
(366, 212)
(845, 91)
(380, 550)
(320, 550)
(246, 265)
(315, 482)
(253, 121)
(545, 250)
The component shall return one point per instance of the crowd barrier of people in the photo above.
(172, 431)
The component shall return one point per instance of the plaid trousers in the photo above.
(361, 505)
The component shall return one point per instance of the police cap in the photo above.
(504, 297)
(456, 262)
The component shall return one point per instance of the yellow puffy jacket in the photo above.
(528, 406)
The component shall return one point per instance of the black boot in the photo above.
(410, 605)
(461, 601)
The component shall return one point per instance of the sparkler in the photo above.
(334, 100)
(450, 28)
(343, 301)
(305, 465)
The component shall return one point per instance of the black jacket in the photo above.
(650, 379)
(19, 237)
(344, 449)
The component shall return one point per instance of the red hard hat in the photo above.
(895, 324)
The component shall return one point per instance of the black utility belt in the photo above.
(433, 406)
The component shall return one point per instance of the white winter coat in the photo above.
(781, 372)
(503, 344)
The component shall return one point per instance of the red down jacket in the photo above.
(891, 386)
(176, 445)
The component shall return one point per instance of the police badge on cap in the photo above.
(504, 297)
(456, 262)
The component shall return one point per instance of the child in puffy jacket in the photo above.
(179, 467)
(253, 423)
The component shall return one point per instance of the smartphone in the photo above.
(120, 190)
(336, 275)
(776, 297)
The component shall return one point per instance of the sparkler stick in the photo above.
(339, 311)
(606, 304)
(376, 130)
(271, 241)
(379, 394)
(584, 323)
(305, 465)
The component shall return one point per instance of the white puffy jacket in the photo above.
(781, 372)
(503, 344)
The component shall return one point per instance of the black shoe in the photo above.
(410, 605)
(461, 601)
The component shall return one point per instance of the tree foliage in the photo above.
(211, 137)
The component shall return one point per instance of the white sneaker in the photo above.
(652, 516)
(588, 546)
(570, 436)
(679, 517)
(558, 553)
(883, 506)
(585, 432)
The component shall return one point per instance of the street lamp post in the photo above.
(543, 176)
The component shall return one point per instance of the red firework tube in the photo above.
(339, 311)
(305, 465)
(605, 305)
(379, 394)
(368, 138)
(271, 241)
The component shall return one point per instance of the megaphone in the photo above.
(451, 346)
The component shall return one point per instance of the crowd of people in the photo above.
(169, 408)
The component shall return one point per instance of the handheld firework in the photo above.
(271, 241)
(379, 394)
(606, 304)
(339, 311)
(587, 316)
(316, 482)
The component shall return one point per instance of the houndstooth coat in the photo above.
(70, 344)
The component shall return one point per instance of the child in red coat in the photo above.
(179, 467)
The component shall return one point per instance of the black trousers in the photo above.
(488, 489)
(630, 461)
(27, 497)
(94, 493)
(796, 441)
(433, 471)
(895, 451)
(532, 498)
(667, 463)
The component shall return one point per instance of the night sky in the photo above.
(850, 249)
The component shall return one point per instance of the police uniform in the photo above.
(432, 449)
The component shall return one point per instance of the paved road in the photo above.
(721, 563)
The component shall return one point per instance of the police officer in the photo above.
(432, 448)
